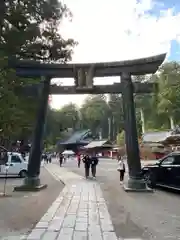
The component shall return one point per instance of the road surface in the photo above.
(136, 215)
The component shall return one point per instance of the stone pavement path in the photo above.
(79, 213)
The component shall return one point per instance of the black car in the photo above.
(164, 173)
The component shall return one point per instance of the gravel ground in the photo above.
(148, 216)
(20, 211)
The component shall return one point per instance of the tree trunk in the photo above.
(142, 120)
(171, 122)
(109, 128)
(100, 134)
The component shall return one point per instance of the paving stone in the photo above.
(109, 236)
(69, 221)
(95, 235)
(46, 218)
(23, 237)
(50, 236)
(94, 219)
(81, 220)
(107, 227)
(94, 228)
(79, 212)
(81, 226)
(36, 234)
(60, 212)
(84, 205)
(80, 235)
(65, 234)
(43, 225)
(106, 222)
(55, 224)
(59, 199)
(72, 210)
(82, 214)
(14, 238)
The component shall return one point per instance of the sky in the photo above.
(119, 30)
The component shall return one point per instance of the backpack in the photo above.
(94, 160)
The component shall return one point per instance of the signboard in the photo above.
(84, 77)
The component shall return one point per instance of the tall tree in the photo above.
(94, 113)
(70, 116)
(28, 30)
(116, 121)
(169, 93)
(143, 103)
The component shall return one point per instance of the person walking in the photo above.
(87, 163)
(94, 163)
(49, 157)
(121, 169)
(79, 160)
(60, 159)
(45, 157)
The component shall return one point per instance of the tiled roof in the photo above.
(159, 137)
(76, 137)
(98, 143)
(155, 136)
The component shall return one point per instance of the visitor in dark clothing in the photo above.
(45, 157)
(94, 163)
(61, 157)
(87, 163)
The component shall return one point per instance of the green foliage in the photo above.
(121, 139)
(93, 112)
(28, 30)
(70, 116)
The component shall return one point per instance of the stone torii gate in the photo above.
(83, 75)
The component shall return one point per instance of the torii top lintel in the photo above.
(31, 68)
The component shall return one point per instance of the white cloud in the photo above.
(117, 30)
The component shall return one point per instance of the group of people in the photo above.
(47, 157)
(90, 162)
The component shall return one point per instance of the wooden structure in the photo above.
(76, 140)
(84, 84)
(98, 146)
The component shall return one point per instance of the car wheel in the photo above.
(149, 180)
(23, 174)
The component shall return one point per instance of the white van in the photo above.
(15, 165)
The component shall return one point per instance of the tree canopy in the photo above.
(28, 30)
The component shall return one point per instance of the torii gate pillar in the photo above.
(135, 181)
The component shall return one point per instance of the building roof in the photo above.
(98, 143)
(155, 136)
(76, 137)
(161, 137)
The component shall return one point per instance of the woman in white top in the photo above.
(121, 169)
